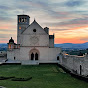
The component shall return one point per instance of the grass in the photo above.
(43, 76)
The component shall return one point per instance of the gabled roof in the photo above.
(34, 23)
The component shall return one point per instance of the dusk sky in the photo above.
(68, 19)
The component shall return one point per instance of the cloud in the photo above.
(85, 38)
(4, 19)
(63, 17)
(69, 40)
(2, 7)
(58, 29)
(80, 22)
(73, 3)
(5, 30)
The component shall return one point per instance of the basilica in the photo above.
(34, 44)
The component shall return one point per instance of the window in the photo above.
(36, 56)
(19, 19)
(80, 70)
(14, 58)
(34, 30)
(25, 20)
(9, 46)
(58, 58)
(22, 19)
(32, 56)
(19, 27)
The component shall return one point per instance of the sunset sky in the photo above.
(67, 19)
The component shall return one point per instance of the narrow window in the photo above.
(32, 56)
(22, 19)
(19, 19)
(19, 27)
(9, 46)
(36, 56)
(80, 70)
(58, 58)
(14, 58)
(25, 20)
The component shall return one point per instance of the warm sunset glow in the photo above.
(66, 19)
(19, 27)
(9, 46)
(69, 40)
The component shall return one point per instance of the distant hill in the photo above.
(73, 46)
(3, 46)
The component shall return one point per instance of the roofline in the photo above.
(24, 15)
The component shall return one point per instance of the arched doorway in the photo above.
(34, 54)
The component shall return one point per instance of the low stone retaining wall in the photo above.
(81, 77)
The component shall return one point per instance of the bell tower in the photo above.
(23, 21)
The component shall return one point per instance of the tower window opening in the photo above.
(19, 27)
(19, 19)
(25, 20)
(22, 19)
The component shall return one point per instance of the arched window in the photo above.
(32, 56)
(36, 56)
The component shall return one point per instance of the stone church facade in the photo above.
(34, 44)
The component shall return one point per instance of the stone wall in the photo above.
(46, 54)
(77, 64)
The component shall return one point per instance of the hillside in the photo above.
(73, 46)
(3, 46)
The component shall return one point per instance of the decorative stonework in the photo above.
(34, 39)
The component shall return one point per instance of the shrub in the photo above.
(21, 79)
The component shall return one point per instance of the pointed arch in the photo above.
(34, 54)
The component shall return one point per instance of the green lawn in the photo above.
(43, 76)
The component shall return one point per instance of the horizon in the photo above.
(58, 43)
(67, 19)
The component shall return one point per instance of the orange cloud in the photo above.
(69, 40)
(6, 40)
(3, 40)
(81, 27)
(9, 25)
